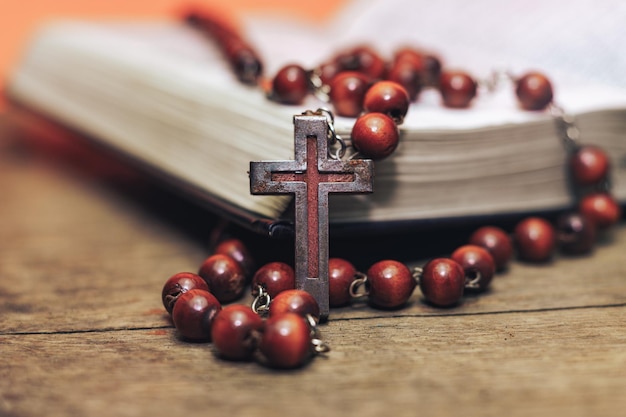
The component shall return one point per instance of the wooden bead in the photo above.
(576, 233)
(237, 250)
(409, 56)
(224, 277)
(295, 301)
(390, 284)
(389, 98)
(286, 341)
(247, 66)
(534, 91)
(496, 241)
(375, 135)
(535, 239)
(275, 277)
(329, 70)
(243, 60)
(290, 85)
(193, 314)
(347, 90)
(362, 59)
(428, 65)
(457, 88)
(601, 209)
(234, 332)
(178, 284)
(341, 274)
(432, 70)
(408, 77)
(477, 264)
(589, 165)
(442, 282)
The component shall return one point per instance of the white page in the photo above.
(578, 44)
(578, 38)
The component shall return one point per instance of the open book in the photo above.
(162, 94)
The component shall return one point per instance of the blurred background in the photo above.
(19, 20)
(578, 37)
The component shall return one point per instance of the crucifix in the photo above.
(311, 176)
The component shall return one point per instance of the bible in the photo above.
(161, 95)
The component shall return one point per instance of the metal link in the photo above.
(497, 77)
(473, 283)
(261, 303)
(319, 346)
(417, 274)
(340, 151)
(337, 146)
(566, 128)
(320, 90)
(333, 138)
(359, 282)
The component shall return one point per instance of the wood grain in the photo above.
(83, 331)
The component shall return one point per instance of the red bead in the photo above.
(476, 262)
(428, 65)
(410, 57)
(347, 90)
(237, 250)
(234, 332)
(576, 234)
(178, 284)
(589, 165)
(290, 85)
(224, 277)
(534, 91)
(364, 60)
(329, 70)
(457, 88)
(341, 274)
(389, 98)
(432, 69)
(442, 282)
(244, 61)
(390, 284)
(286, 341)
(601, 209)
(408, 77)
(497, 243)
(275, 277)
(375, 135)
(193, 314)
(535, 239)
(295, 301)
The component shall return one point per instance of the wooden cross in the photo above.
(311, 176)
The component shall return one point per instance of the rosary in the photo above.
(280, 328)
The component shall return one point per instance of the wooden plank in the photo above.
(516, 364)
(83, 331)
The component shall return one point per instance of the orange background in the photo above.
(18, 18)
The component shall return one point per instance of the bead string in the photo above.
(280, 329)
(239, 332)
(344, 78)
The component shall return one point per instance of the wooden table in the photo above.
(83, 331)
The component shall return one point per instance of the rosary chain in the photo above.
(336, 145)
